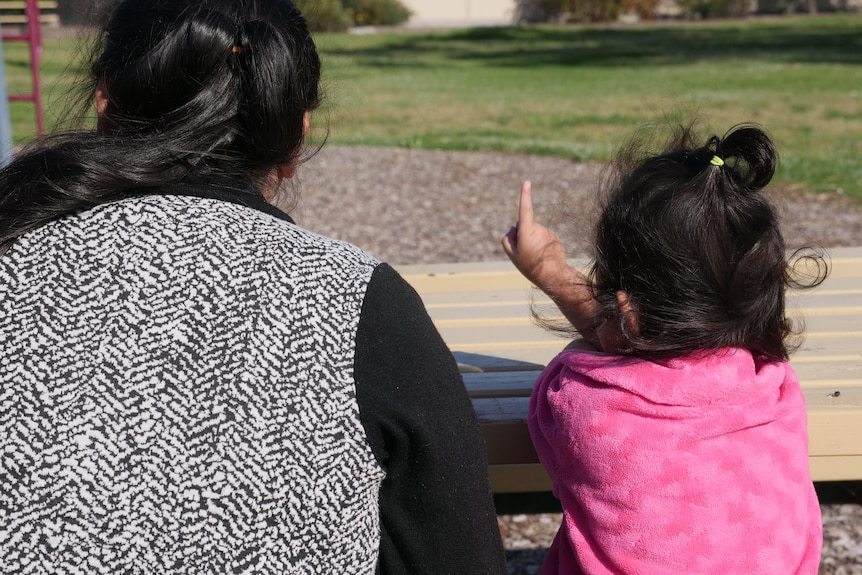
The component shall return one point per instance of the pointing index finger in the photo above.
(525, 208)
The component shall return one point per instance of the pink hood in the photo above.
(694, 465)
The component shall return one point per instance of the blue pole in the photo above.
(5, 124)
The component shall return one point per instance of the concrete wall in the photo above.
(501, 12)
(454, 12)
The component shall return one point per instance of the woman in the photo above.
(190, 382)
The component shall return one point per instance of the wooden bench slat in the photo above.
(820, 367)
(805, 366)
(494, 363)
(468, 282)
(470, 277)
(818, 393)
(532, 477)
(812, 375)
(519, 310)
(832, 468)
(500, 384)
(519, 478)
(473, 334)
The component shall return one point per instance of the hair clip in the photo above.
(716, 161)
(236, 49)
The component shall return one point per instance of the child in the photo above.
(675, 431)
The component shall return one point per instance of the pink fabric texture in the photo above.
(691, 466)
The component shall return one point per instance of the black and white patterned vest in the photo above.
(177, 395)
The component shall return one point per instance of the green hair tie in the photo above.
(716, 161)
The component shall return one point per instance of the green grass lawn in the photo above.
(579, 91)
(60, 66)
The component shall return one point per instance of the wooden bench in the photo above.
(482, 311)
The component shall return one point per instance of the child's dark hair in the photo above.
(696, 246)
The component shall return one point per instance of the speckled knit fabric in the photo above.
(697, 465)
(177, 396)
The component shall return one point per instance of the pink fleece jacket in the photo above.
(691, 466)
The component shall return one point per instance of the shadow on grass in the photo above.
(835, 39)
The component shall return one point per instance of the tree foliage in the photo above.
(584, 10)
(339, 15)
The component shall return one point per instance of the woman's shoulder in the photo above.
(241, 225)
(211, 237)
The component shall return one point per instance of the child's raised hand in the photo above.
(538, 253)
(535, 250)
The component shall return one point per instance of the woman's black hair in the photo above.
(196, 90)
(690, 237)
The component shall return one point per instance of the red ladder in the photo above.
(33, 36)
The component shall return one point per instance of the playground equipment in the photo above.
(32, 23)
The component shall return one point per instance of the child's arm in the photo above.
(539, 255)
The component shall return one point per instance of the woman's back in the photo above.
(178, 393)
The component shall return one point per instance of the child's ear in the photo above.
(628, 312)
(101, 98)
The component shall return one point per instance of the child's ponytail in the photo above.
(751, 153)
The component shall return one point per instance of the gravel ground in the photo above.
(414, 207)
(418, 206)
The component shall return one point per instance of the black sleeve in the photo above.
(437, 513)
